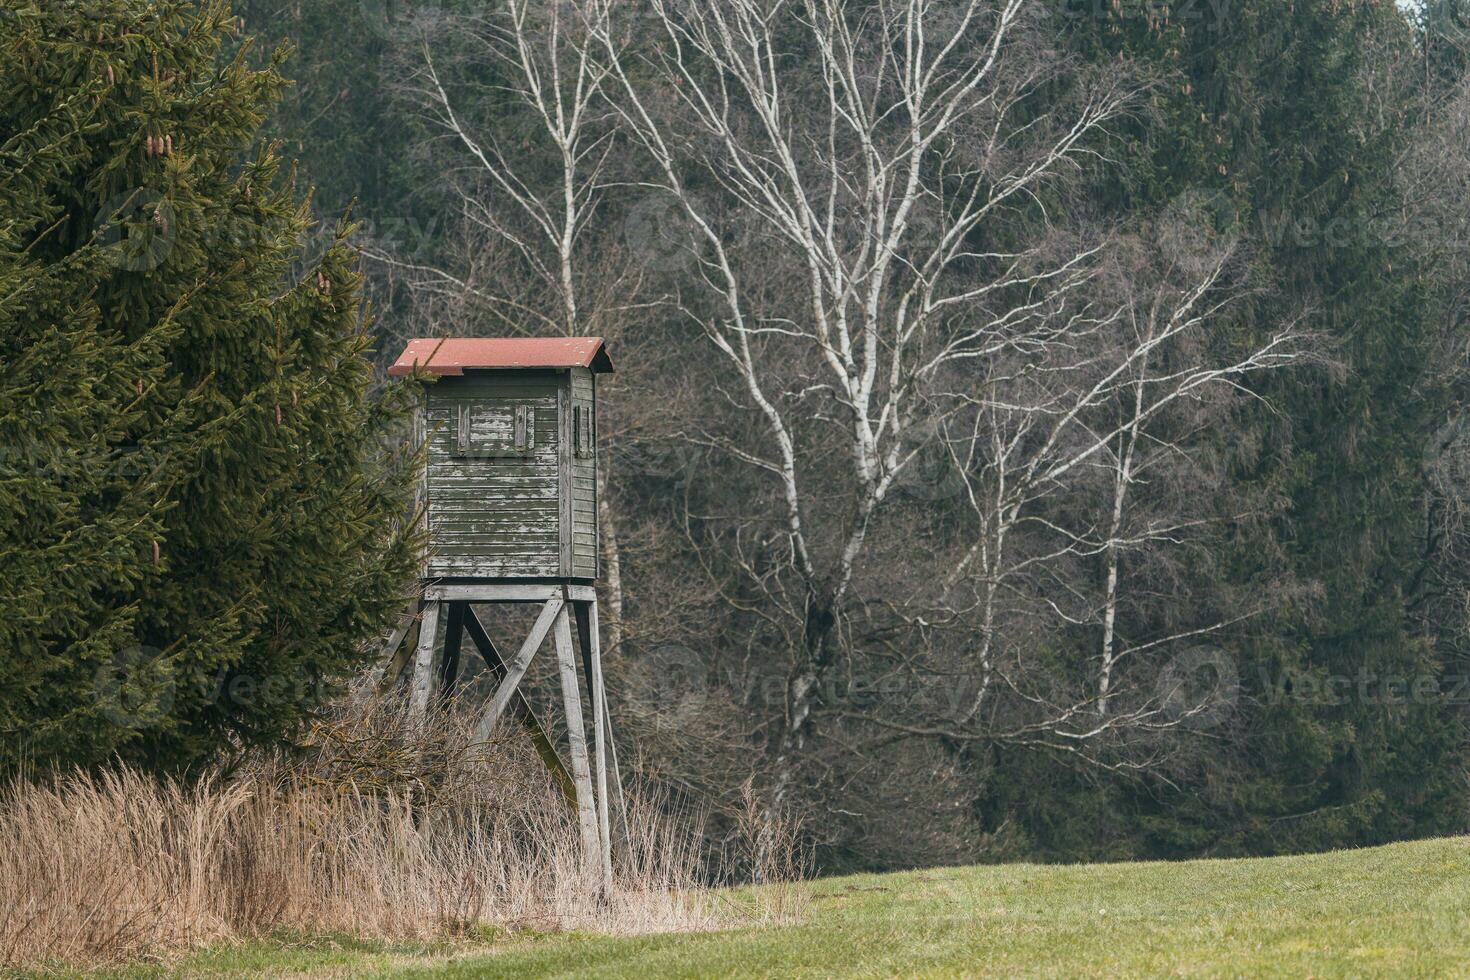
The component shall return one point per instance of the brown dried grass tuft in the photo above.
(375, 831)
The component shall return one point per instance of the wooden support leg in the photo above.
(453, 640)
(592, 850)
(551, 612)
(519, 708)
(591, 643)
(423, 667)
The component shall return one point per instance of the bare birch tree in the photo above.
(532, 54)
(882, 151)
(1092, 413)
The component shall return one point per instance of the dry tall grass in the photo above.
(374, 833)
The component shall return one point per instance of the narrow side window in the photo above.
(582, 427)
(462, 440)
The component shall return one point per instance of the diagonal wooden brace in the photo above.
(517, 670)
(520, 709)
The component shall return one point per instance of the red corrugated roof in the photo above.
(455, 355)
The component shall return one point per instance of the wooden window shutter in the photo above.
(582, 421)
(520, 440)
(462, 441)
(525, 427)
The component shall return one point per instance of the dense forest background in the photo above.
(1234, 625)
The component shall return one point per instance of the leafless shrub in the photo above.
(772, 850)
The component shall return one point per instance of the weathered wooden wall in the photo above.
(494, 517)
(511, 516)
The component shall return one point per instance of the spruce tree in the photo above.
(200, 525)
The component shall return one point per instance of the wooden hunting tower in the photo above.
(510, 499)
(512, 456)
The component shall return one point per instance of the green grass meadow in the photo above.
(1402, 910)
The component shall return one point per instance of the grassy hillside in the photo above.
(1399, 910)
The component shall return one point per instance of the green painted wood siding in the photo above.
(498, 514)
(494, 517)
(584, 484)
